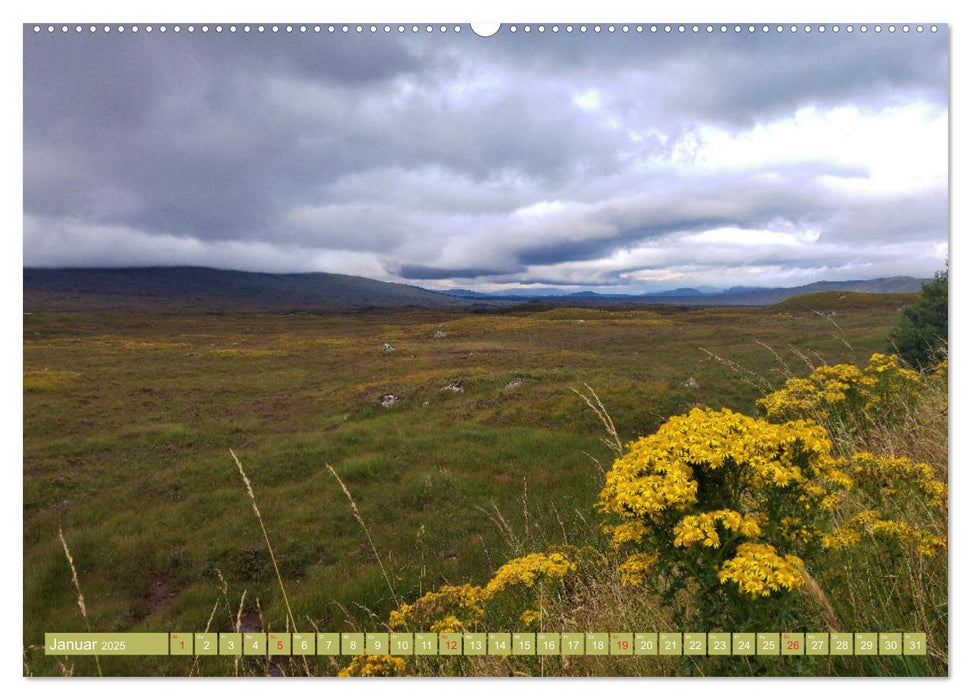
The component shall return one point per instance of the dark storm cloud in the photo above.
(736, 78)
(450, 158)
(424, 272)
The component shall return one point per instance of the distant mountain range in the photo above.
(212, 290)
(709, 296)
(555, 292)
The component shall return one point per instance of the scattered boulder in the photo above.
(581, 321)
(690, 383)
(439, 333)
(517, 382)
(455, 386)
(388, 347)
(389, 400)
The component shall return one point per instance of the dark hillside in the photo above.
(207, 289)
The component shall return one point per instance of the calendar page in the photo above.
(485, 350)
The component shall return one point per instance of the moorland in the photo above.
(458, 435)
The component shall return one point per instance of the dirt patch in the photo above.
(162, 592)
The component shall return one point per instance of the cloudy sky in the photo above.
(618, 162)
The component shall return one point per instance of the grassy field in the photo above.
(129, 420)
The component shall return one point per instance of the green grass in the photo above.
(129, 419)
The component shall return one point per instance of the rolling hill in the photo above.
(208, 290)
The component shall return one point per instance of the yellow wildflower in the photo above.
(882, 384)
(693, 529)
(524, 571)
(636, 568)
(891, 473)
(448, 609)
(840, 538)
(657, 474)
(529, 617)
(757, 569)
(632, 531)
(376, 666)
(449, 623)
(870, 522)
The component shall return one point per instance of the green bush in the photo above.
(921, 334)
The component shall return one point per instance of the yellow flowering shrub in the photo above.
(845, 392)
(870, 522)
(373, 666)
(827, 387)
(658, 474)
(634, 571)
(888, 476)
(724, 505)
(511, 590)
(525, 571)
(449, 609)
(727, 507)
(887, 489)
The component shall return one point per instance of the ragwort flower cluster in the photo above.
(373, 666)
(713, 494)
(449, 609)
(525, 571)
(846, 392)
(871, 522)
(886, 477)
(758, 570)
(458, 608)
(657, 475)
(722, 504)
(703, 529)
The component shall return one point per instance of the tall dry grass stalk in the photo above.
(77, 587)
(612, 440)
(815, 592)
(515, 545)
(291, 620)
(238, 627)
(266, 538)
(753, 379)
(367, 533)
(195, 660)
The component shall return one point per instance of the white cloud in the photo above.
(896, 149)
(71, 243)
